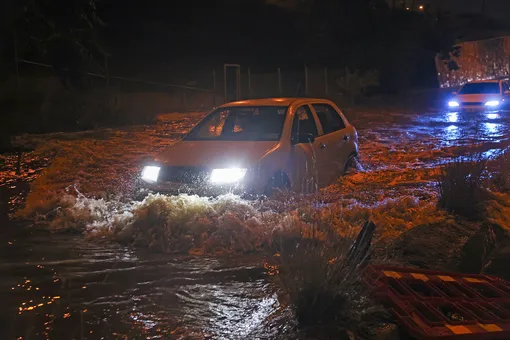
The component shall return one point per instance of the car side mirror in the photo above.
(303, 138)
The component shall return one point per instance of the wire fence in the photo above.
(202, 89)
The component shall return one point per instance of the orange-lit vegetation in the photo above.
(324, 284)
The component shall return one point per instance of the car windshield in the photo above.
(247, 123)
(480, 88)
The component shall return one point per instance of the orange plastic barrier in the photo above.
(442, 305)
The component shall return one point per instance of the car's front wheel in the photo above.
(278, 183)
(352, 163)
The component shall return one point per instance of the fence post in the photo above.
(326, 80)
(106, 71)
(225, 82)
(279, 81)
(249, 83)
(306, 80)
(15, 40)
(214, 86)
(238, 80)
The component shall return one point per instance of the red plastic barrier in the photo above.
(442, 305)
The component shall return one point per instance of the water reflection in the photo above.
(452, 117)
(491, 128)
(451, 135)
(493, 116)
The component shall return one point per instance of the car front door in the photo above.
(334, 138)
(308, 155)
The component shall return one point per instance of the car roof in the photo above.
(485, 81)
(271, 102)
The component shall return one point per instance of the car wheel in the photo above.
(278, 183)
(352, 163)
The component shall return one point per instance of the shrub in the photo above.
(324, 288)
(463, 188)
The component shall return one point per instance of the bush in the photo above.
(463, 188)
(325, 290)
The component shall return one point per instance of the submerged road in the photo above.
(70, 287)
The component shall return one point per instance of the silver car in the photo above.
(257, 146)
(481, 96)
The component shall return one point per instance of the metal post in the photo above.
(16, 59)
(106, 71)
(225, 81)
(214, 86)
(238, 80)
(306, 80)
(326, 81)
(249, 82)
(279, 81)
(214, 79)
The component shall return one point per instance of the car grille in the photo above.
(473, 103)
(183, 174)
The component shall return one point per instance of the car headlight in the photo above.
(492, 103)
(150, 173)
(453, 103)
(225, 176)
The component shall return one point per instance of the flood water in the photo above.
(65, 286)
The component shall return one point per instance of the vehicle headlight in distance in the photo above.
(150, 173)
(226, 176)
(453, 103)
(492, 103)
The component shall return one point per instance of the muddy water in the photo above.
(67, 287)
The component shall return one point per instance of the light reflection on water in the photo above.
(452, 134)
(491, 128)
(453, 117)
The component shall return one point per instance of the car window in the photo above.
(480, 88)
(304, 122)
(329, 118)
(244, 123)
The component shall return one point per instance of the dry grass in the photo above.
(463, 188)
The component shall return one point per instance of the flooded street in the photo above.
(81, 285)
(64, 287)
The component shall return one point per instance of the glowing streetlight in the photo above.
(421, 7)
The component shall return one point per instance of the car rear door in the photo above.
(335, 138)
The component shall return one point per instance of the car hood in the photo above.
(214, 154)
(477, 97)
